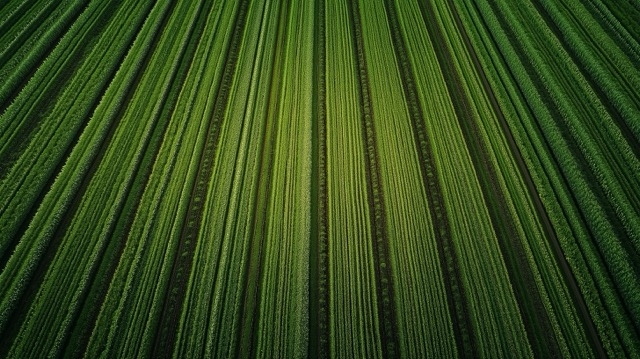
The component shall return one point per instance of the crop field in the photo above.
(320, 178)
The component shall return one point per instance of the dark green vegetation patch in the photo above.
(319, 178)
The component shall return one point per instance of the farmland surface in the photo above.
(320, 178)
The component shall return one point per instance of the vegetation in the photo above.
(322, 178)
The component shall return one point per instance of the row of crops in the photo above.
(320, 178)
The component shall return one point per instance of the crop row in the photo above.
(22, 61)
(547, 143)
(463, 199)
(74, 262)
(344, 178)
(48, 130)
(29, 250)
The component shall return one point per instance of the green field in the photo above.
(320, 178)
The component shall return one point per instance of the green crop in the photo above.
(319, 178)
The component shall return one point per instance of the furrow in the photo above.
(319, 309)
